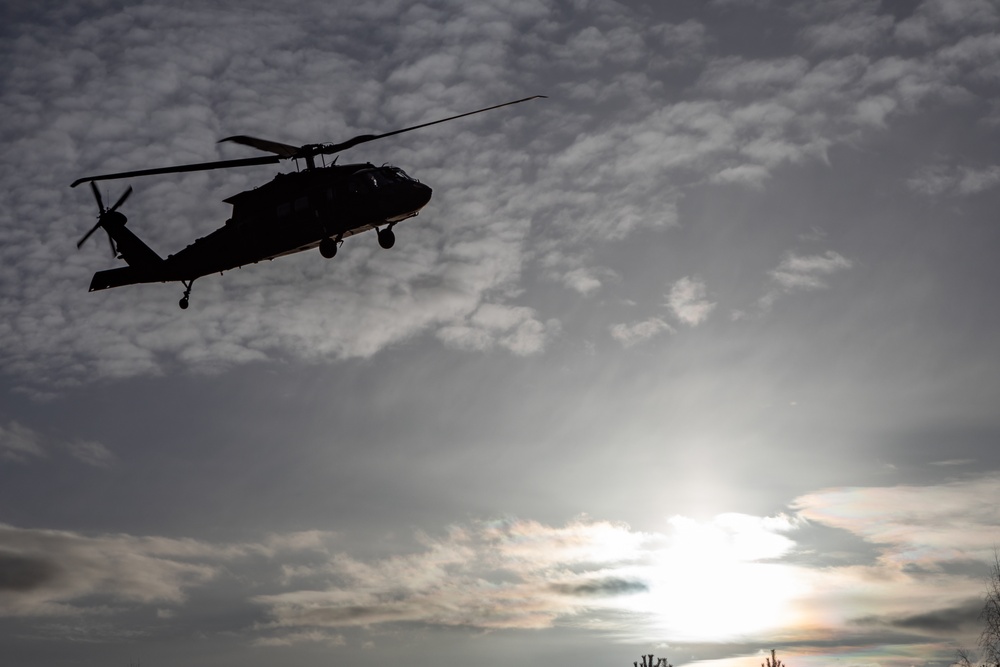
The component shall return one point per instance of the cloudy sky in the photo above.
(700, 356)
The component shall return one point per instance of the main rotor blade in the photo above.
(97, 196)
(121, 200)
(364, 138)
(201, 166)
(280, 150)
(86, 236)
(276, 147)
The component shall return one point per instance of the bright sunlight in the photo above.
(713, 581)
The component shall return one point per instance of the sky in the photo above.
(697, 357)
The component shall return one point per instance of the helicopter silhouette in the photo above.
(318, 206)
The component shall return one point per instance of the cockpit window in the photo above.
(364, 181)
(399, 173)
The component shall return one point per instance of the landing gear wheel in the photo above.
(328, 248)
(386, 238)
(183, 303)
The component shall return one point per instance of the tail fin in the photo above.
(130, 246)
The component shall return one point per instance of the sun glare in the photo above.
(709, 582)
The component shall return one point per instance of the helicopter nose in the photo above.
(421, 194)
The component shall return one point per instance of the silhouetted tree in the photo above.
(989, 638)
(772, 661)
(647, 661)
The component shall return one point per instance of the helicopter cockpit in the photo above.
(372, 179)
(395, 173)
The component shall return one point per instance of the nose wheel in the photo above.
(184, 303)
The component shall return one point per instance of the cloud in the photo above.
(798, 273)
(686, 300)
(851, 32)
(160, 107)
(940, 179)
(585, 281)
(807, 271)
(524, 574)
(92, 453)
(54, 573)
(639, 332)
(686, 40)
(19, 443)
(492, 325)
(503, 574)
(920, 525)
(932, 180)
(21, 574)
(688, 303)
(564, 176)
(575, 271)
(755, 4)
(750, 175)
(601, 587)
(934, 545)
(114, 115)
(306, 636)
(51, 573)
(732, 75)
(951, 619)
(933, 20)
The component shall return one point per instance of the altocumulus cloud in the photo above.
(638, 332)
(937, 180)
(798, 273)
(687, 301)
(519, 193)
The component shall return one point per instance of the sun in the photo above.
(713, 581)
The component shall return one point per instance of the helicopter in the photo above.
(315, 207)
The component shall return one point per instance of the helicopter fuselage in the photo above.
(294, 212)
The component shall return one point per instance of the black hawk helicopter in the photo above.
(308, 208)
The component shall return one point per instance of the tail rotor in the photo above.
(106, 216)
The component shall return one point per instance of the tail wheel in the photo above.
(188, 284)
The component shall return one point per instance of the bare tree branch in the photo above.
(989, 640)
